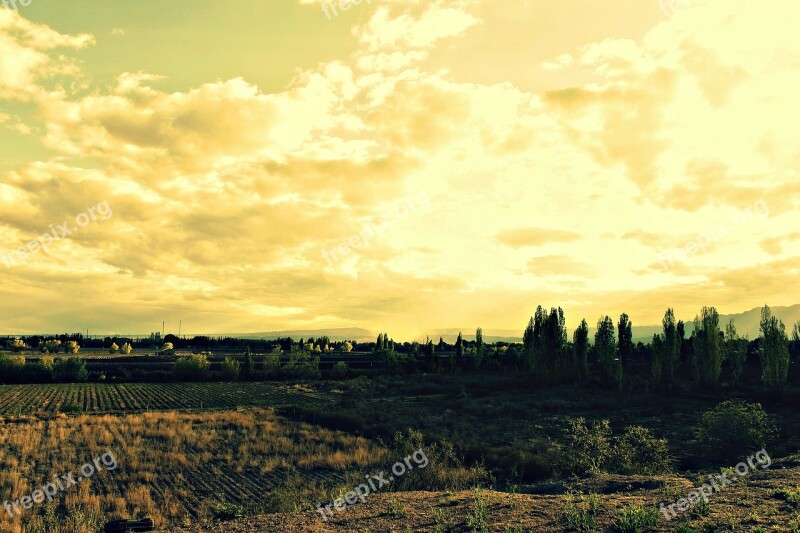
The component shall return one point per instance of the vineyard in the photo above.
(50, 399)
(177, 468)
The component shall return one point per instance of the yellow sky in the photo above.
(402, 165)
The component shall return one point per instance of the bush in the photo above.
(70, 370)
(635, 519)
(638, 452)
(581, 516)
(589, 448)
(445, 470)
(735, 428)
(340, 370)
(230, 369)
(192, 368)
(12, 369)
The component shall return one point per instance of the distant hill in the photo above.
(334, 334)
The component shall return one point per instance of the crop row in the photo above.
(36, 399)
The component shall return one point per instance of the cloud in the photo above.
(524, 237)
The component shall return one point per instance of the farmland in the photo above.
(50, 399)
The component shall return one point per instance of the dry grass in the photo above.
(175, 468)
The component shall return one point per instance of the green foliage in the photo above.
(272, 365)
(589, 447)
(12, 368)
(605, 347)
(625, 334)
(581, 515)
(476, 518)
(340, 370)
(301, 365)
(396, 509)
(707, 347)
(635, 519)
(638, 452)
(592, 450)
(225, 512)
(774, 351)
(580, 350)
(248, 369)
(70, 370)
(445, 469)
(666, 351)
(735, 351)
(192, 368)
(735, 428)
(230, 369)
(790, 496)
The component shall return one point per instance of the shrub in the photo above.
(12, 369)
(192, 368)
(70, 370)
(735, 428)
(230, 369)
(126, 348)
(72, 347)
(272, 365)
(589, 448)
(50, 346)
(582, 515)
(635, 519)
(114, 348)
(445, 470)
(301, 365)
(340, 370)
(638, 452)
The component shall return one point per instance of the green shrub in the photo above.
(635, 519)
(638, 452)
(589, 448)
(733, 429)
(340, 370)
(70, 370)
(581, 516)
(230, 369)
(12, 369)
(192, 368)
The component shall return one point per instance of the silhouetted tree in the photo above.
(774, 351)
(707, 347)
(605, 346)
(580, 349)
(625, 335)
(735, 351)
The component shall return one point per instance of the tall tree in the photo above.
(460, 345)
(735, 351)
(379, 343)
(580, 348)
(707, 347)
(774, 351)
(528, 345)
(671, 348)
(478, 347)
(605, 345)
(625, 335)
(248, 370)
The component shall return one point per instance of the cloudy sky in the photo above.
(402, 165)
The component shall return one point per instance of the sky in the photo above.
(400, 165)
